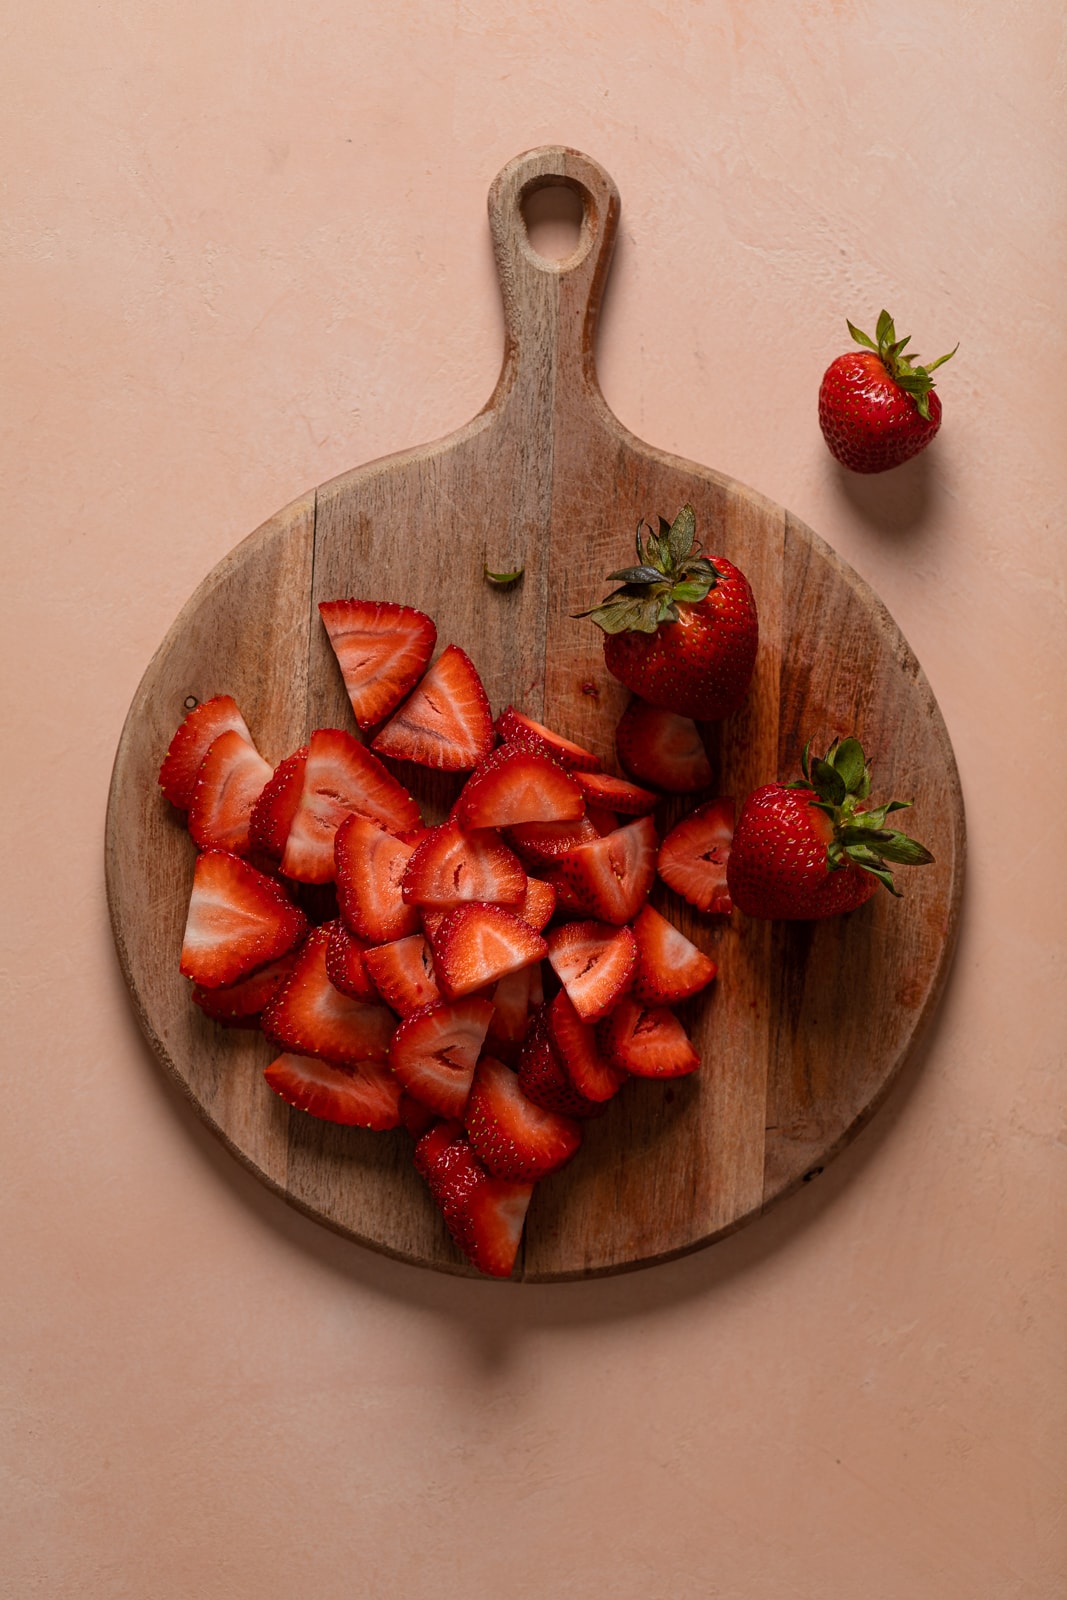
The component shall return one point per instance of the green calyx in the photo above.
(670, 570)
(904, 370)
(842, 781)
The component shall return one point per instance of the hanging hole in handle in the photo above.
(555, 215)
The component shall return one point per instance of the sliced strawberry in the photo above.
(692, 858)
(511, 1136)
(670, 967)
(544, 1079)
(610, 876)
(595, 963)
(511, 1009)
(434, 1051)
(513, 725)
(312, 1018)
(662, 748)
(239, 1004)
(575, 1042)
(363, 1096)
(403, 973)
(538, 843)
(431, 921)
(537, 904)
(340, 778)
(239, 919)
(615, 794)
(382, 650)
(416, 1117)
(518, 783)
(446, 722)
(476, 944)
(484, 1215)
(195, 736)
(273, 812)
(647, 1041)
(345, 966)
(231, 778)
(370, 865)
(451, 866)
(603, 821)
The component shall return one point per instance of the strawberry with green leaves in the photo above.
(813, 848)
(682, 630)
(877, 406)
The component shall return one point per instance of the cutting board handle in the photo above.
(551, 307)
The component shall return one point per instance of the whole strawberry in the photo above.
(682, 630)
(877, 407)
(808, 849)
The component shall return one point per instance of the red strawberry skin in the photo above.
(869, 423)
(364, 1095)
(701, 665)
(513, 1137)
(778, 866)
(201, 727)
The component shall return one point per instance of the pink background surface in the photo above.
(245, 249)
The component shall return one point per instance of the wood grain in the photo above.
(807, 1024)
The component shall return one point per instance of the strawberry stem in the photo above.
(841, 780)
(670, 571)
(914, 379)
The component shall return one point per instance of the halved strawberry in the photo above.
(434, 1051)
(518, 783)
(595, 963)
(239, 919)
(452, 865)
(416, 1117)
(191, 742)
(345, 966)
(382, 650)
(432, 920)
(540, 843)
(514, 725)
(575, 1041)
(476, 944)
(647, 1041)
(340, 778)
(239, 1004)
(509, 1134)
(273, 813)
(446, 722)
(544, 1079)
(364, 1095)
(670, 967)
(603, 821)
(692, 858)
(662, 748)
(403, 973)
(537, 904)
(511, 1009)
(615, 794)
(312, 1018)
(230, 780)
(370, 867)
(484, 1215)
(610, 876)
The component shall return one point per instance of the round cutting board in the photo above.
(806, 1024)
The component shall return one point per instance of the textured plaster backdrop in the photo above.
(245, 248)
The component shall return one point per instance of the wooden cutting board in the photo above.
(807, 1024)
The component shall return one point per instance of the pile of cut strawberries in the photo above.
(488, 983)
